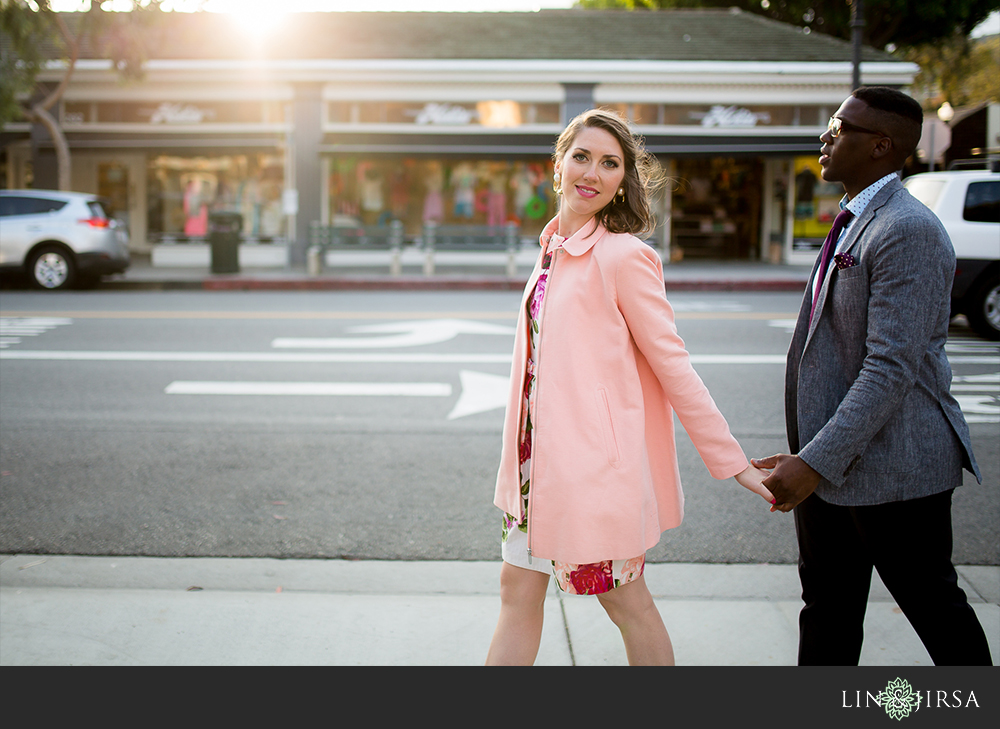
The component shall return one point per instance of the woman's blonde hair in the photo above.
(643, 174)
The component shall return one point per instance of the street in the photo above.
(360, 425)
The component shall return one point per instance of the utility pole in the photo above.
(857, 28)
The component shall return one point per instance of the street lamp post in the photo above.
(857, 31)
(945, 114)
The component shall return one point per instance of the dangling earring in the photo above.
(620, 197)
(555, 184)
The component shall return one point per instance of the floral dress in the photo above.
(577, 579)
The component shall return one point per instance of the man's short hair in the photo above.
(891, 100)
(902, 114)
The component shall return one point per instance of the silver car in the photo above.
(60, 238)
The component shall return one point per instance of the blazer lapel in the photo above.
(851, 242)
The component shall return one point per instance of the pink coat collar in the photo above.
(578, 243)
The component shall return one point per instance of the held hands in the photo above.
(752, 479)
(791, 480)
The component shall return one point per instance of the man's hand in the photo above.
(791, 480)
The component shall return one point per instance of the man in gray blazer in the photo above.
(880, 443)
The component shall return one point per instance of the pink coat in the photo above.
(611, 371)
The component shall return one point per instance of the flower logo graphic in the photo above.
(899, 699)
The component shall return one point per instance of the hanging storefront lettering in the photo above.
(444, 114)
(167, 113)
(731, 116)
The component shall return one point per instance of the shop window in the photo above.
(716, 209)
(645, 113)
(719, 115)
(637, 113)
(376, 191)
(341, 112)
(499, 114)
(76, 112)
(493, 113)
(544, 114)
(180, 112)
(183, 190)
(817, 203)
(274, 112)
(812, 116)
(677, 115)
(112, 185)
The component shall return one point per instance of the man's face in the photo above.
(848, 156)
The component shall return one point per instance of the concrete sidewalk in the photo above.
(138, 611)
(458, 275)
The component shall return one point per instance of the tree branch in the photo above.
(74, 52)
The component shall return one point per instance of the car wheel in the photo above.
(983, 310)
(52, 268)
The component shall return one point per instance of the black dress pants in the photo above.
(909, 543)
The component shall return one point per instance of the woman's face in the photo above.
(591, 172)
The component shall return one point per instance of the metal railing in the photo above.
(433, 238)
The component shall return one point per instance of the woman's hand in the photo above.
(750, 478)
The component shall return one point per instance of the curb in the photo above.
(412, 284)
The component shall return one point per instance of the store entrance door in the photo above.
(112, 185)
(716, 209)
(119, 179)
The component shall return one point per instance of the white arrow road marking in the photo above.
(375, 389)
(410, 334)
(480, 392)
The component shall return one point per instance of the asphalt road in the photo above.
(356, 425)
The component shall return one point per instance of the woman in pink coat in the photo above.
(588, 477)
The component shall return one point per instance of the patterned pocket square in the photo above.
(845, 260)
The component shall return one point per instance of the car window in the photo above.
(926, 191)
(96, 211)
(17, 205)
(982, 202)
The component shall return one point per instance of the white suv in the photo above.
(968, 203)
(60, 238)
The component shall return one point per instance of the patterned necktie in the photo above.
(829, 246)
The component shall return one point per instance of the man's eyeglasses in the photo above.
(837, 125)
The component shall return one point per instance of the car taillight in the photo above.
(96, 222)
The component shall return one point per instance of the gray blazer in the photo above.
(867, 383)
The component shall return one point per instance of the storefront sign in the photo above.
(167, 113)
(445, 114)
(732, 116)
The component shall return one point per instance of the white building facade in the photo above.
(451, 118)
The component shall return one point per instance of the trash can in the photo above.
(224, 238)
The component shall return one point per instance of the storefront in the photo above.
(374, 190)
(165, 164)
(404, 131)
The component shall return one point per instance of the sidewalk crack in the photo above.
(569, 640)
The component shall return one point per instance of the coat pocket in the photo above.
(608, 427)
